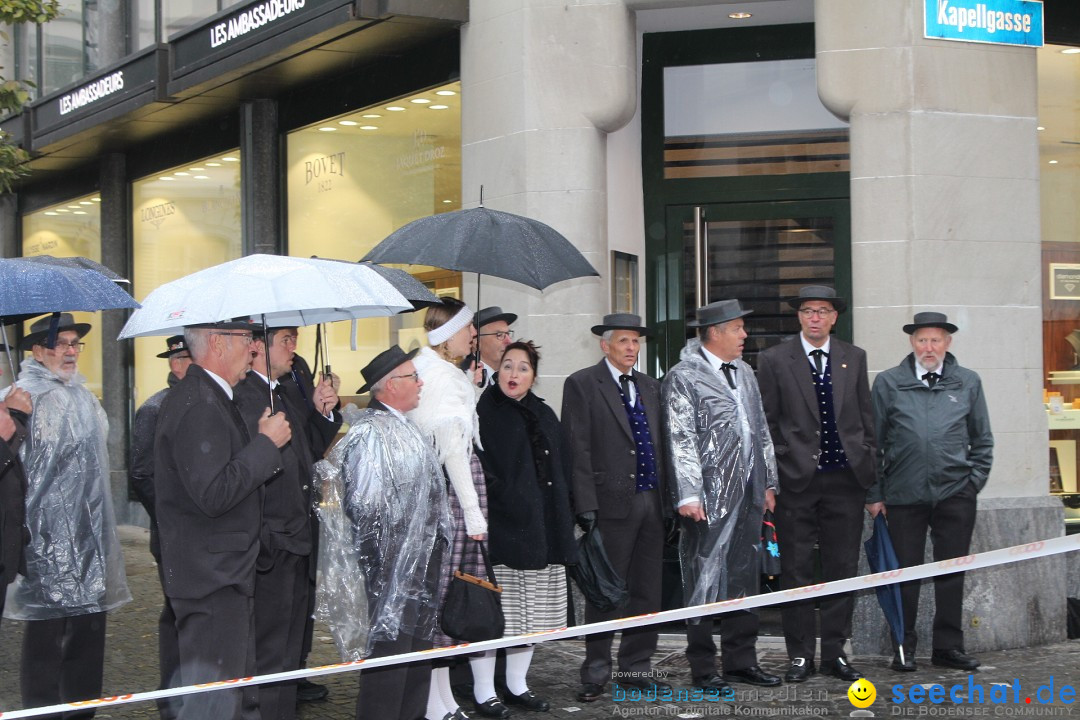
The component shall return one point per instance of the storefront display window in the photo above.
(72, 229)
(354, 179)
(184, 219)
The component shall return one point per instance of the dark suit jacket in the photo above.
(787, 393)
(601, 443)
(299, 386)
(13, 535)
(208, 477)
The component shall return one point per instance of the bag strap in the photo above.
(487, 562)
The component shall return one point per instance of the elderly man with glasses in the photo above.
(210, 470)
(74, 568)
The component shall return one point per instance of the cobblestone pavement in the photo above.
(1009, 676)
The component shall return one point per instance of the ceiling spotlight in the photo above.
(420, 101)
(369, 127)
(73, 207)
(371, 115)
(230, 158)
(327, 129)
(51, 212)
(97, 199)
(395, 108)
(167, 179)
(181, 174)
(740, 15)
(348, 123)
(79, 212)
(438, 107)
(1070, 51)
(445, 92)
(213, 164)
(84, 202)
(447, 202)
(1040, 128)
(195, 169)
(62, 210)
(202, 177)
(1053, 162)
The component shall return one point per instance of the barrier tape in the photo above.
(1016, 553)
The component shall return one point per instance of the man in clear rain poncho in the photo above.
(724, 477)
(396, 525)
(74, 565)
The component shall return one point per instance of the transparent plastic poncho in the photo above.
(721, 452)
(74, 563)
(384, 514)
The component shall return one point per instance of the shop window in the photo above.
(184, 219)
(354, 179)
(72, 229)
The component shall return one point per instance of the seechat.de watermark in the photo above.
(974, 699)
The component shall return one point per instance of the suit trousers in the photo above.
(281, 602)
(635, 547)
(738, 643)
(62, 661)
(829, 512)
(216, 635)
(951, 523)
(168, 654)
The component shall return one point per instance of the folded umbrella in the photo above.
(882, 558)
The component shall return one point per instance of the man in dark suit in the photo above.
(817, 401)
(281, 578)
(611, 413)
(209, 475)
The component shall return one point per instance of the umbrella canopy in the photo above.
(287, 291)
(487, 242)
(413, 290)
(30, 287)
(78, 263)
(882, 557)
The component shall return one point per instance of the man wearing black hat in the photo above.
(817, 399)
(611, 413)
(723, 479)
(398, 524)
(74, 568)
(141, 478)
(936, 448)
(493, 335)
(209, 473)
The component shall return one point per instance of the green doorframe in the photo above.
(663, 266)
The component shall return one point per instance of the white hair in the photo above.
(197, 341)
(606, 337)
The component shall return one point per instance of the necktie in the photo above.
(729, 373)
(624, 383)
(819, 360)
(931, 378)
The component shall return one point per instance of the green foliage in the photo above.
(13, 12)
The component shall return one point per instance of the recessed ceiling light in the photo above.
(327, 129)
(445, 92)
(97, 199)
(62, 210)
(1070, 51)
(369, 127)
(347, 123)
(202, 177)
(438, 107)
(394, 108)
(51, 212)
(740, 15)
(420, 101)
(371, 115)
(1040, 128)
(230, 158)
(167, 179)
(73, 207)
(447, 202)
(213, 164)
(84, 202)
(195, 169)
(79, 212)
(1053, 162)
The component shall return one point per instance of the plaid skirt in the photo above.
(461, 545)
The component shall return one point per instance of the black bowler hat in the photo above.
(620, 321)
(39, 331)
(176, 345)
(383, 364)
(928, 320)
(818, 292)
(494, 314)
(721, 311)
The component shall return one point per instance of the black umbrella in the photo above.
(882, 558)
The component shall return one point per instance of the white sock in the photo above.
(436, 708)
(442, 679)
(518, 660)
(483, 676)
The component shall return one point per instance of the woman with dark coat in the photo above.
(530, 520)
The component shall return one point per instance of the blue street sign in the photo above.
(1003, 22)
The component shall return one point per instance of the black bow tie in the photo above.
(819, 356)
(624, 383)
(729, 373)
(931, 378)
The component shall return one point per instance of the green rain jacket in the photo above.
(931, 442)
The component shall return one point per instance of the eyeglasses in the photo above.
(414, 375)
(246, 336)
(499, 335)
(63, 347)
(819, 312)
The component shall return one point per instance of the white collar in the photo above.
(808, 348)
(272, 383)
(714, 360)
(221, 381)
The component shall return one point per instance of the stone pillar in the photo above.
(260, 177)
(542, 85)
(110, 33)
(945, 216)
(119, 354)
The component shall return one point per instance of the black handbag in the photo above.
(472, 610)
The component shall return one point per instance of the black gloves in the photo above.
(587, 520)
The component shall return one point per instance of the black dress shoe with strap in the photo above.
(590, 692)
(956, 659)
(800, 671)
(528, 700)
(752, 675)
(493, 708)
(840, 668)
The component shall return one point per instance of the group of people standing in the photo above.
(455, 456)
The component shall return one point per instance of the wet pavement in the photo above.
(1011, 683)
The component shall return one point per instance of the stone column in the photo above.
(543, 83)
(260, 177)
(945, 216)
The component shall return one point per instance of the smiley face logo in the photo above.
(862, 693)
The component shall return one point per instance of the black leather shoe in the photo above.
(493, 708)
(906, 665)
(800, 671)
(528, 700)
(711, 682)
(590, 692)
(307, 691)
(956, 659)
(644, 684)
(840, 668)
(752, 675)
(458, 714)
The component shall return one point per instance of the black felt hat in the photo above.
(621, 321)
(818, 292)
(930, 320)
(721, 311)
(176, 345)
(39, 331)
(383, 364)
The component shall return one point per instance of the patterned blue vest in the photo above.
(832, 455)
(646, 456)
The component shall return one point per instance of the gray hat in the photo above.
(930, 319)
(621, 321)
(718, 312)
(39, 331)
(818, 292)
(494, 314)
(383, 364)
